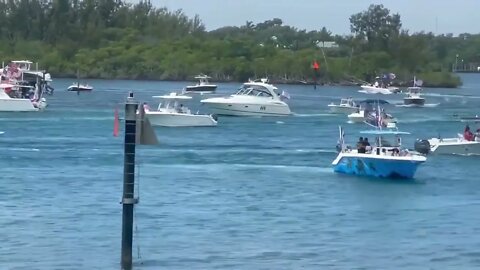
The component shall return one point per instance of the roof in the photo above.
(384, 132)
(173, 96)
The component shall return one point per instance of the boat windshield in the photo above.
(258, 91)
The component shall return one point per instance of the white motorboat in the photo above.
(458, 146)
(383, 159)
(376, 89)
(78, 87)
(362, 116)
(252, 99)
(346, 106)
(413, 97)
(203, 86)
(172, 114)
(13, 99)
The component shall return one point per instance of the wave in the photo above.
(428, 105)
(450, 96)
(20, 149)
(221, 166)
(313, 115)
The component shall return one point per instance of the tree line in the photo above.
(117, 39)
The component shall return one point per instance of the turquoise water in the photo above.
(252, 193)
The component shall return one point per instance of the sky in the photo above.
(437, 16)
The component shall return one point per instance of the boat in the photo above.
(203, 85)
(413, 97)
(463, 144)
(78, 87)
(252, 99)
(346, 106)
(364, 115)
(19, 98)
(383, 159)
(22, 70)
(172, 114)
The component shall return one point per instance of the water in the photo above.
(252, 193)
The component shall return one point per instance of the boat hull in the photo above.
(201, 89)
(376, 167)
(19, 105)
(232, 109)
(377, 90)
(414, 101)
(455, 146)
(180, 120)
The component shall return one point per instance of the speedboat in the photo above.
(361, 116)
(13, 98)
(203, 86)
(346, 106)
(413, 97)
(78, 87)
(384, 160)
(459, 145)
(376, 88)
(252, 99)
(173, 114)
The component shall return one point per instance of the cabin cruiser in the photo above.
(383, 159)
(413, 97)
(464, 144)
(346, 106)
(252, 99)
(19, 98)
(203, 86)
(78, 87)
(172, 114)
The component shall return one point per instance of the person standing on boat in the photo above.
(468, 135)
(360, 146)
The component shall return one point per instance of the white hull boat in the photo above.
(12, 104)
(413, 97)
(346, 106)
(203, 86)
(78, 87)
(456, 146)
(253, 99)
(371, 89)
(360, 117)
(171, 114)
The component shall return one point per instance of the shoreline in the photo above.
(272, 81)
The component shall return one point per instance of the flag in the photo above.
(316, 66)
(392, 76)
(418, 83)
(116, 123)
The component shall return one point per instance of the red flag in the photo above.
(116, 124)
(316, 66)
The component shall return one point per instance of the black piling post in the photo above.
(128, 199)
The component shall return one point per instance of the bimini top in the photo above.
(384, 132)
(173, 96)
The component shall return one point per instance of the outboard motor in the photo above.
(422, 146)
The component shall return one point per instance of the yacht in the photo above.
(383, 159)
(413, 97)
(172, 114)
(22, 70)
(346, 106)
(203, 86)
(16, 98)
(252, 99)
(78, 87)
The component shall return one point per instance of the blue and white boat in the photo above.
(383, 159)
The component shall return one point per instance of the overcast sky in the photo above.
(438, 16)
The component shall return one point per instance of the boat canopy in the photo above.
(173, 96)
(384, 132)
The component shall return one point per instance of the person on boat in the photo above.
(366, 144)
(180, 109)
(468, 135)
(360, 146)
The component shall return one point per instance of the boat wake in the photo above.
(428, 105)
(312, 115)
(450, 96)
